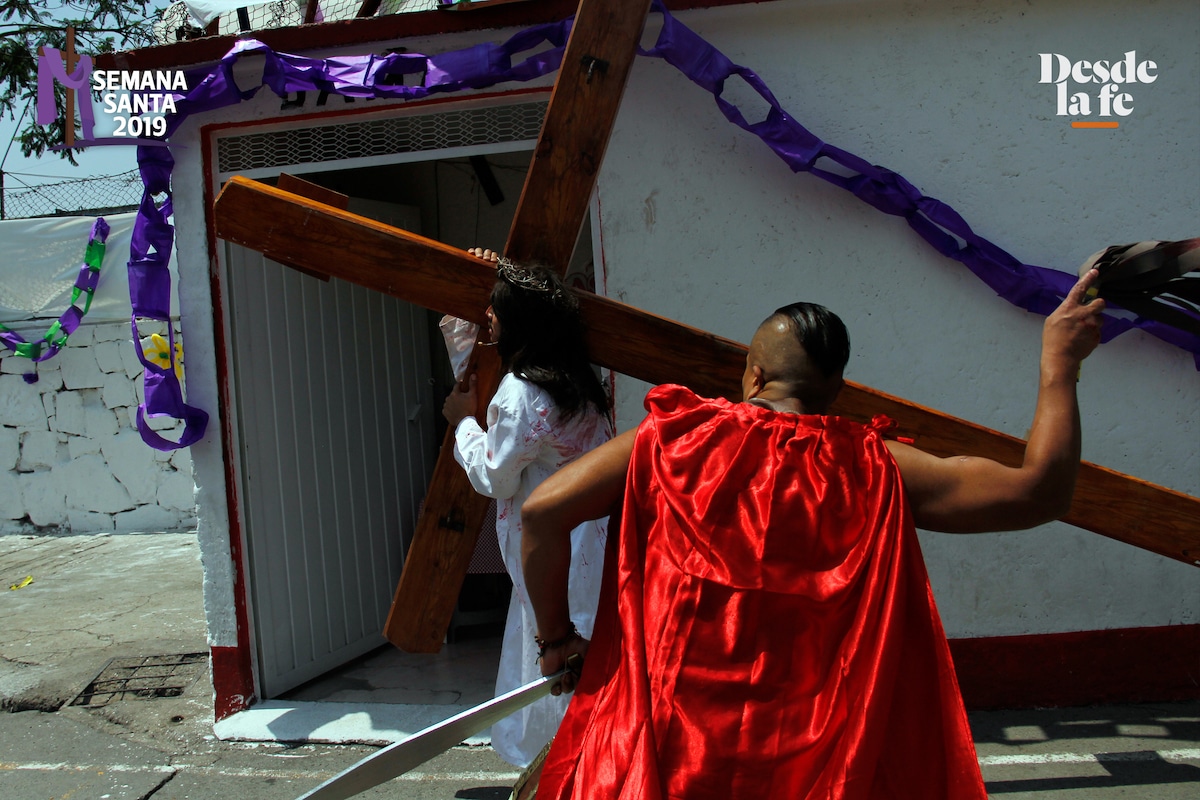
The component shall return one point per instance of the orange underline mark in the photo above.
(1095, 124)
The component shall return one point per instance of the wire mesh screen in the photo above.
(104, 193)
(381, 137)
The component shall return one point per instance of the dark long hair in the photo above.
(541, 337)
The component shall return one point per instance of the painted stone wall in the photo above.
(71, 459)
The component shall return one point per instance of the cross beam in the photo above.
(294, 230)
(570, 147)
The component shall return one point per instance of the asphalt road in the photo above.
(161, 749)
(95, 598)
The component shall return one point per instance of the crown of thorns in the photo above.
(524, 278)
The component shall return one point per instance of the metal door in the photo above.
(335, 428)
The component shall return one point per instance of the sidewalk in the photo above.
(90, 599)
(93, 599)
(100, 600)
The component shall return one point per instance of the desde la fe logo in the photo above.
(1103, 88)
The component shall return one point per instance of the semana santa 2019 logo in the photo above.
(1103, 88)
(136, 101)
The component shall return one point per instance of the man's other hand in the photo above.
(555, 658)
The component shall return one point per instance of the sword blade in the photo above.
(412, 751)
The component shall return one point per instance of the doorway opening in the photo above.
(307, 359)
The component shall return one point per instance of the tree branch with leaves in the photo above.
(101, 26)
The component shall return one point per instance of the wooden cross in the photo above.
(297, 231)
(557, 190)
(312, 236)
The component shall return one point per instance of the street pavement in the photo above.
(96, 598)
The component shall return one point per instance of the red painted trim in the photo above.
(1130, 665)
(350, 33)
(233, 676)
(234, 692)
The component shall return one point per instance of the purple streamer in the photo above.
(1033, 288)
(150, 296)
(68, 322)
(378, 77)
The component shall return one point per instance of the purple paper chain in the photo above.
(68, 322)
(1030, 287)
(379, 77)
(1033, 288)
(150, 296)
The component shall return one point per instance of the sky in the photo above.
(50, 168)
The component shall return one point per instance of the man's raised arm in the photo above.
(965, 494)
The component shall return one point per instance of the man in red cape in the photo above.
(766, 625)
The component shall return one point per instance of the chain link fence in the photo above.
(82, 196)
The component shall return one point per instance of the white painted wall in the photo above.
(702, 223)
(71, 459)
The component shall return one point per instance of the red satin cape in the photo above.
(766, 626)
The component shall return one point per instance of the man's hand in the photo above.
(583, 490)
(965, 494)
(1072, 332)
(460, 403)
(555, 658)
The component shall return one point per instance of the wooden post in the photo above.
(71, 59)
(558, 188)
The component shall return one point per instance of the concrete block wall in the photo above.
(71, 459)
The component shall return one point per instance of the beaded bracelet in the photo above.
(544, 645)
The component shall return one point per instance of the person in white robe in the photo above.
(549, 409)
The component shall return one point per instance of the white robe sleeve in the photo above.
(494, 459)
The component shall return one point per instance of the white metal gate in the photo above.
(335, 427)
